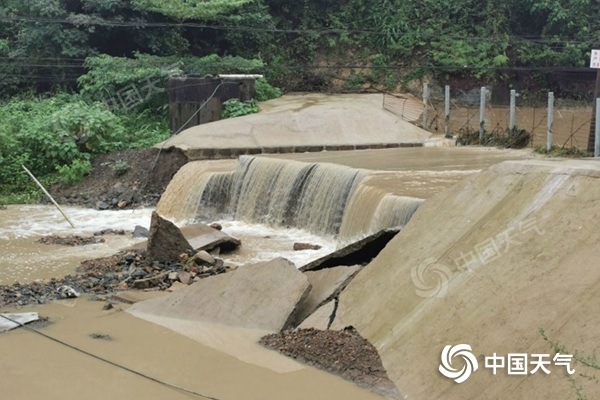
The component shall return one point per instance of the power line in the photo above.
(242, 28)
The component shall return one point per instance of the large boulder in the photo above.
(165, 240)
(261, 296)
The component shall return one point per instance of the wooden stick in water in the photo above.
(49, 196)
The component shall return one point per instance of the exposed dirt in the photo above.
(123, 179)
(344, 353)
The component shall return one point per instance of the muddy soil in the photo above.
(123, 179)
(344, 353)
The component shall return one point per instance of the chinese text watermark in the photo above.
(513, 363)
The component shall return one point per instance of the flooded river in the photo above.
(228, 366)
(414, 172)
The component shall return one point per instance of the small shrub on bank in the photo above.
(265, 91)
(563, 151)
(234, 108)
(517, 139)
(120, 168)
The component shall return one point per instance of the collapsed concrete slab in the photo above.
(261, 296)
(204, 237)
(322, 318)
(326, 284)
(359, 252)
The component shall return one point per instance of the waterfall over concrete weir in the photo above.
(322, 198)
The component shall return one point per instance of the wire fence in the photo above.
(570, 127)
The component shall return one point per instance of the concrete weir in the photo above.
(322, 198)
(489, 263)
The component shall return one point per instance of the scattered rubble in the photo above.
(122, 271)
(77, 240)
(119, 232)
(140, 232)
(216, 226)
(344, 353)
(306, 246)
(100, 336)
(70, 240)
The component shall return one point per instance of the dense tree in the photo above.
(45, 42)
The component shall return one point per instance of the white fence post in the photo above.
(597, 137)
(511, 122)
(447, 113)
(550, 120)
(425, 101)
(482, 114)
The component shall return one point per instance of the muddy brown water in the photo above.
(34, 367)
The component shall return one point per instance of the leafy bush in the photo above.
(145, 77)
(74, 172)
(517, 139)
(120, 168)
(234, 108)
(355, 82)
(563, 151)
(55, 137)
(265, 91)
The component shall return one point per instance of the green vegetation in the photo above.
(120, 167)
(300, 45)
(234, 108)
(82, 77)
(517, 139)
(265, 91)
(563, 151)
(586, 367)
(55, 138)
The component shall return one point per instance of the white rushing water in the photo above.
(23, 259)
(22, 221)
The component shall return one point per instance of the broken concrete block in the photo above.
(326, 285)
(204, 237)
(321, 318)
(360, 252)
(260, 296)
(202, 257)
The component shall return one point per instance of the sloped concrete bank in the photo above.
(489, 263)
